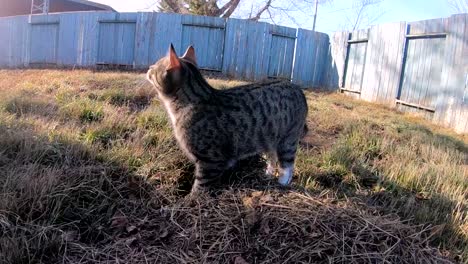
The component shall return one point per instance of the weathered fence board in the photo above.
(321, 58)
(355, 64)
(452, 104)
(44, 39)
(16, 41)
(383, 67)
(116, 42)
(5, 40)
(88, 39)
(206, 34)
(283, 41)
(143, 38)
(67, 40)
(336, 60)
(246, 53)
(311, 58)
(166, 30)
(427, 26)
(422, 71)
(239, 48)
(420, 67)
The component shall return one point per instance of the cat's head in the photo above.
(171, 72)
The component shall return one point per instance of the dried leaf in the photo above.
(251, 217)
(70, 236)
(248, 202)
(423, 196)
(240, 260)
(437, 230)
(315, 234)
(265, 226)
(164, 233)
(131, 229)
(119, 221)
(130, 241)
(254, 199)
(266, 199)
(143, 221)
(257, 194)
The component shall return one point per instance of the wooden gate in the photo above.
(355, 62)
(283, 42)
(422, 71)
(44, 43)
(116, 43)
(207, 36)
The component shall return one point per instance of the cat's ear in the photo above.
(174, 62)
(190, 55)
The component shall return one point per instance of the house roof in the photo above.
(85, 2)
(23, 7)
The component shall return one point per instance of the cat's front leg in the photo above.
(271, 161)
(206, 174)
(286, 156)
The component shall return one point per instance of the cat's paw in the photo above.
(285, 181)
(286, 177)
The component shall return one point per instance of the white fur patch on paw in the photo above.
(286, 176)
(270, 171)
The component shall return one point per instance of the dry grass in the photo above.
(90, 173)
(399, 162)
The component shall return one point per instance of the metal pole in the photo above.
(45, 7)
(42, 7)
(315, 14)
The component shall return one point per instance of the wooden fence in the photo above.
(238, 48)
(417, 67)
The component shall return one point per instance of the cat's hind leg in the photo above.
(206, 174)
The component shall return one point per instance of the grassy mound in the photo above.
(90, 173)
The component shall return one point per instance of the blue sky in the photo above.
(338, 15)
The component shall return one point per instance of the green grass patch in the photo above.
(84, 110)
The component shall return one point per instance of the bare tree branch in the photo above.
(258, 8)
(231, 9)
(459, 6)
(361, 12)
(175, 6)
(226, 6)
(263, 9)
(271, 16)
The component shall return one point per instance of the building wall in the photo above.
(23, 7)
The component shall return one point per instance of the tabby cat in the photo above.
(216, 128)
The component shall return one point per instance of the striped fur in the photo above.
(216, 128)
